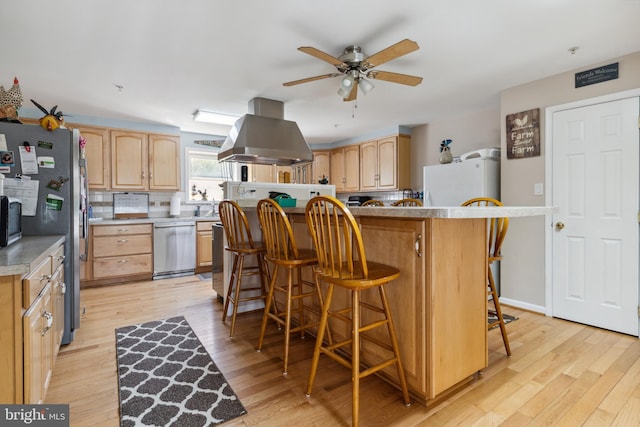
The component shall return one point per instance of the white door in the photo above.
(595, 237)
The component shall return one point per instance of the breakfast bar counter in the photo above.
(439, 303)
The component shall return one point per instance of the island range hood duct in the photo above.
(264, 137)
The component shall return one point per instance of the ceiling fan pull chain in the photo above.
(353, 110)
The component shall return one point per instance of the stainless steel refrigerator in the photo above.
(59, 206)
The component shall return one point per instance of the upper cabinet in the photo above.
(345, 168)
(129, 160)
(321, 166)
(141, 161)
(385, 164)
(98, 156)
(164, 162)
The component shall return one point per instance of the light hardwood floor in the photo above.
(561, 373)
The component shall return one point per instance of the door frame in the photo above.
(548, 178)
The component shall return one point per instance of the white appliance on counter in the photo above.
(454, 183)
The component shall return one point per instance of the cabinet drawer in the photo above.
(204, 225)
(57, 258)
(119, 230)
(32, 284)
(121, 245)
(122, 266)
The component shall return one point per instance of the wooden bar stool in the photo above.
(497, 231)
(373, 202)
(283, 253)
(342, 262)
(241, 245)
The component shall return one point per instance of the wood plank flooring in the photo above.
(561, 373)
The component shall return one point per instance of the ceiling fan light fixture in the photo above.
(346, 84)
(365, 85)
(208, 116)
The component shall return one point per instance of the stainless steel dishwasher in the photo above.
(174, 249)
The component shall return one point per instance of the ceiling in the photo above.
(158, 61)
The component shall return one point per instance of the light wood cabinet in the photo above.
(262, 173)
(385, 164)
(58, 289)
(321, 166)
(204, 248)
(98, 155)
(345, 168)
(31, 320)
(141, 161)
(122, 250)
(164, 162)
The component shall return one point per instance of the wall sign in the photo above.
(523, 134)
(597, 75)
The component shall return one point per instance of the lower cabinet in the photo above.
(31, 326)
(121, 250)
(204, 250)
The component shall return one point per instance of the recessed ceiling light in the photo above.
(213, 117)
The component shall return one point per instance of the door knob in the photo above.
(559, 225)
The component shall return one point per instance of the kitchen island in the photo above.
(439, 303)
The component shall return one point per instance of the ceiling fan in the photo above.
(356, 66)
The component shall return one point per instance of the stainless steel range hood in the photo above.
(264, 137)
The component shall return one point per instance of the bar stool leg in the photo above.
(496, 304)
(267, 307)
(287, 321)
(232, 276)
(321, 328)
(355, 356)
(236, 294)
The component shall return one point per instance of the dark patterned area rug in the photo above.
(492, 317)
(167, 378)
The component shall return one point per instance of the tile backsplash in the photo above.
(159, 203)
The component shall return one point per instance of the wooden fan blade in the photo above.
(392, 52)
(353, 95)
(321, 55)
(310, 79)
(403, 79)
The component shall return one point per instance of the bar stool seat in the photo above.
(283, 253)
(342, 262)
(407, 202)
(240, 243)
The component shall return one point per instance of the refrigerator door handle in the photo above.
(85, 215)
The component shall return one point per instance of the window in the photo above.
(205, 174)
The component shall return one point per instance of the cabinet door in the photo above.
(387, 164)
(337, 169)
(262, 173)
(98, 156)
(164, 162)
(407, 295)
(38, 344)
(369, 166)
(352, 168)
(321, 166)
(129, 161)
(204, 250)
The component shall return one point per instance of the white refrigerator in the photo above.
(452, 184)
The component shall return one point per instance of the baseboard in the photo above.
(523, 305)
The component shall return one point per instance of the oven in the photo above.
(10, 220)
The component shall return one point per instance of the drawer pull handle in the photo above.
(46, 277)
(122, 261)
(61, 258)
(123, 230)
(123, 241)
(49, 318)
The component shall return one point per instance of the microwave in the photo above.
(10, 220)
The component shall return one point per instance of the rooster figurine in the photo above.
(10, 101)
(52, 119)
